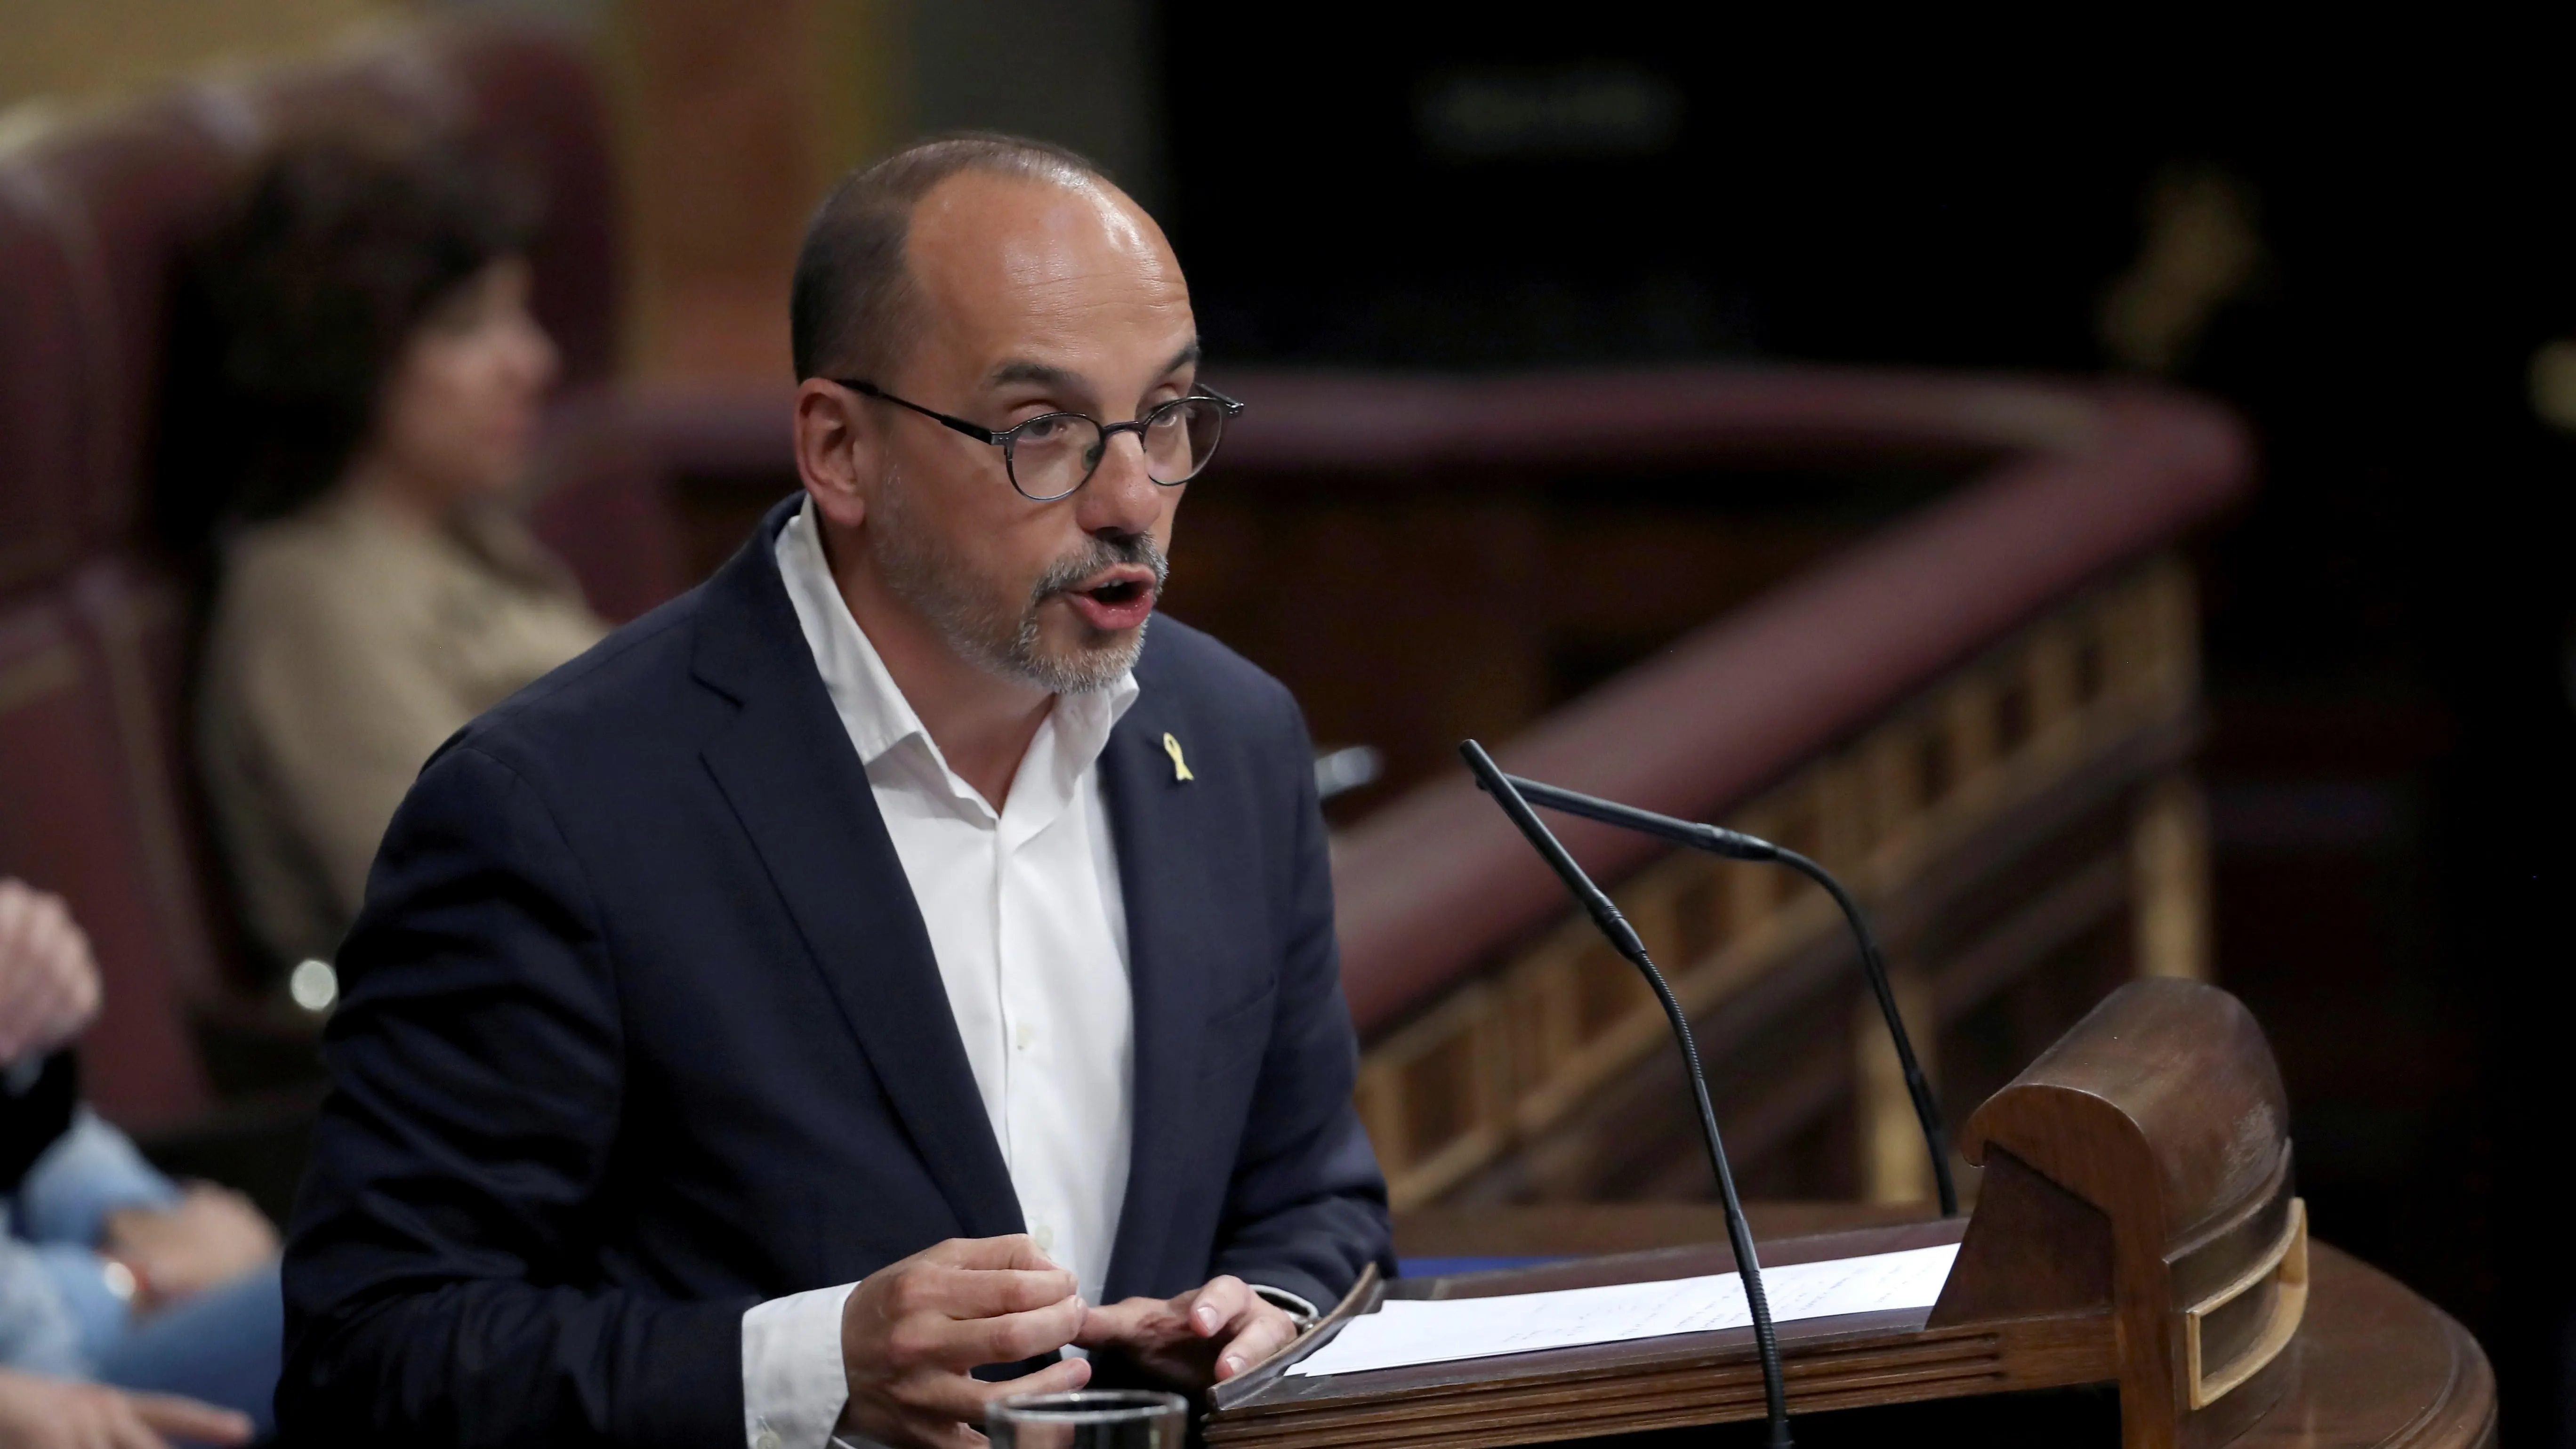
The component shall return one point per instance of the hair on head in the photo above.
(853, 293)
(295, 310)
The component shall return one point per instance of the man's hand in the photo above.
(1205, 1336)
(42, 1413)
(212, 1236)
(48, 983)
(912, 1330)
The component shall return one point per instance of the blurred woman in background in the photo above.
(378, 379)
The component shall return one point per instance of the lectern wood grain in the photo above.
(2162, 1112)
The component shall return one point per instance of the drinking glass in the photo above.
(1091, 1419)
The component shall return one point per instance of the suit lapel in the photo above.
(1156, 830)
(786, 766)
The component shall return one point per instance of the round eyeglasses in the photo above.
(1051, 455)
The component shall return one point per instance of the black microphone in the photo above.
(1735, 845)
(1623, 937)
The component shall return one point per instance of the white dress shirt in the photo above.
(1030, 931)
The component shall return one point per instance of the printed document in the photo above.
(1406, 1331)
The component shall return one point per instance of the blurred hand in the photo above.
(211, 1237)
(911, 1331)
(1206, 1335)
(48, 983)
(42, 1413)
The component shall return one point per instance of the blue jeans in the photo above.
(222, 1346)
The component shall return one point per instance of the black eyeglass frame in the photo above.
(1008, 438)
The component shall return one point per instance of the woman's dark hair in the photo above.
(296, 309)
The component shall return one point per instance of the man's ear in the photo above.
(837, 450)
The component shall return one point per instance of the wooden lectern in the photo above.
(2136, 1226)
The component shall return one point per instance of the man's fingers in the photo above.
(1012, 1250)
(938, 1434)
(1219, 1302)
(1260, 1338)
(75, 974)
(961, 1399)
(39, 998)
(188, 1419)
(988, 1292)
(1132, 1321)
(963, 1343)
(48, 983)
(122, 1428)
(47, 928)
(1061, 1377)
(1012, 1336)
(13, 928)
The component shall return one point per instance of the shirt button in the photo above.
(1025, 1035)
(768, 1439)
(1045, 1237)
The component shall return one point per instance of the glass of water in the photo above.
(1092, 1419)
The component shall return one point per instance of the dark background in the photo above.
(2389, 761)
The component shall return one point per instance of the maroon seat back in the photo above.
(77, 818)
(42, 443)
(96, 798)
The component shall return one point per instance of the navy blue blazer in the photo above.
(640, 1027)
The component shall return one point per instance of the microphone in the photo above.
(1623, 938)
(1735, 845)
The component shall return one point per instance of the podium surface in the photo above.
(2374, 1364)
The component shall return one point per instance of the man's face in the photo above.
(1034, 298)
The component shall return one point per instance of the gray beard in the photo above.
(988, 631)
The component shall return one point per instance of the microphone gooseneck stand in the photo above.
(1623, 937)
(1736, 845)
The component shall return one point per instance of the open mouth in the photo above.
(1120, 598)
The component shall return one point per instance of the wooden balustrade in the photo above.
(1981, 714)
(2098, 695)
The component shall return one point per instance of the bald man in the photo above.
(899, 972)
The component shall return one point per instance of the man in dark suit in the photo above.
(883, 963)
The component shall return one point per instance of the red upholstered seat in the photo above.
(119, 197)
(43, 438)
(76, 821)
(134, 624)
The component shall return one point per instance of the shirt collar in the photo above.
(872, 707)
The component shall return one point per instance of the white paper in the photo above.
(1406, 1331)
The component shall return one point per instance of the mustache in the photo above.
(1098, 554)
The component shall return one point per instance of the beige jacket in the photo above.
(347, 644)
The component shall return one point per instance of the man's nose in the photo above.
(1121, 498)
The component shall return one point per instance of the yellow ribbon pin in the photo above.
(1180, 767)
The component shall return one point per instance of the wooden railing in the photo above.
(2097, 696)
(1982, 716)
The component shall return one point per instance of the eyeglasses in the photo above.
(1052, 454)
